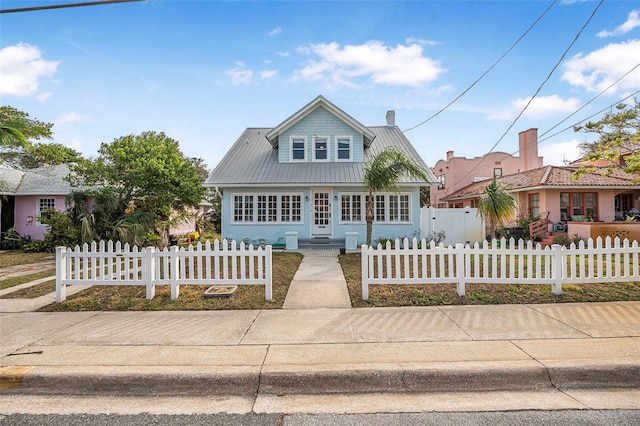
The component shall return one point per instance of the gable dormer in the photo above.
(320, 132)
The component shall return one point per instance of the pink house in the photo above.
(26, 194)
(455, 173)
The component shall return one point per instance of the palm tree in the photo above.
(382, 173)
(496, 205)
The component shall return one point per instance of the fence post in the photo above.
(174, 271)
(558, 267)
(268, 274)
(149, 271)
(364, 268)
(460, 272)
(61, 274)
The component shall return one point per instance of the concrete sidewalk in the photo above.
(448, 358)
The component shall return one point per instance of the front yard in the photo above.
(477, 294)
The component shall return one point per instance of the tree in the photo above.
(496, 206)
(618, 143)
(34, 155)
(17, 129)
(382, 173)
(144, 174)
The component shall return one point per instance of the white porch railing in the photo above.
(503, 262)
(203, 264)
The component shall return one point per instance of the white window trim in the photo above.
(297, 138)
(363, 208)
(313, 148)
(350, 159)
(39, 212)
(255, 196)
(387, 206)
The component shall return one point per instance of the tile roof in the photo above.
(546, 177)
(252, 160)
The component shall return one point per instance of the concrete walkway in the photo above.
(318, 283)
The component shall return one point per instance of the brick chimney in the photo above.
(449, 155)
(391, 118)
(529, 158)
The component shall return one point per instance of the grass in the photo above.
(477, 294)
(33, 291)
(191, 298)
(14, 281)
(17, 257)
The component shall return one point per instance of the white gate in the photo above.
(461, 226)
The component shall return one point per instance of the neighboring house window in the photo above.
(380, 208)
(267, 208)
(44, 204)
(497, 172)
(343, 146)
(441, 182)
(578, 204)
(351, 208)
(321, 149)
(534, 204)
(298, 148)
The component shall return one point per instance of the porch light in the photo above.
(29, 219)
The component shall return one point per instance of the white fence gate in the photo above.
(460, 225)
(202, 264)
(503, 263)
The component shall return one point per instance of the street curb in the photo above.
(281, 380)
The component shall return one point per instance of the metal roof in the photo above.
(252, 160)
(320, 101)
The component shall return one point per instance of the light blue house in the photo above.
(301, 181)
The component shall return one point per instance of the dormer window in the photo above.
(298, 148)
(344, 148)
(321, 148)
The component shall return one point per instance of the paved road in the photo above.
(573, 417)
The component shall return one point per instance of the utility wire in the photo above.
(575, 39)
(592, 99)
(487, 71)
(64, 6)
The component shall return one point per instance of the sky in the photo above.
(203, 71)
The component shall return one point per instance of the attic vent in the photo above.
(391, 118)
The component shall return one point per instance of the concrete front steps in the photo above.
(321, 243)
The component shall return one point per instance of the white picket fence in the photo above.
(501, 262)
(201, 264)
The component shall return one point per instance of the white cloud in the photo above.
(541, 107)
(600, 68)
(422, 41)
(240, 75)
(21, 67)
(345, 66)
(268, 73)
(71, 117)
(274, 32)
(560, 153)
(43, 96)
(633, 21)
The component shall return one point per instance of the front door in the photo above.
(321, 214)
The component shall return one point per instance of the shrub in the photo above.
(563, 239)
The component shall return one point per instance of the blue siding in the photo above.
(271, 232)
(320, 122)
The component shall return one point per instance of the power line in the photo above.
(592, 99)
(488, 69)
(64, 6)
(537, 91)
